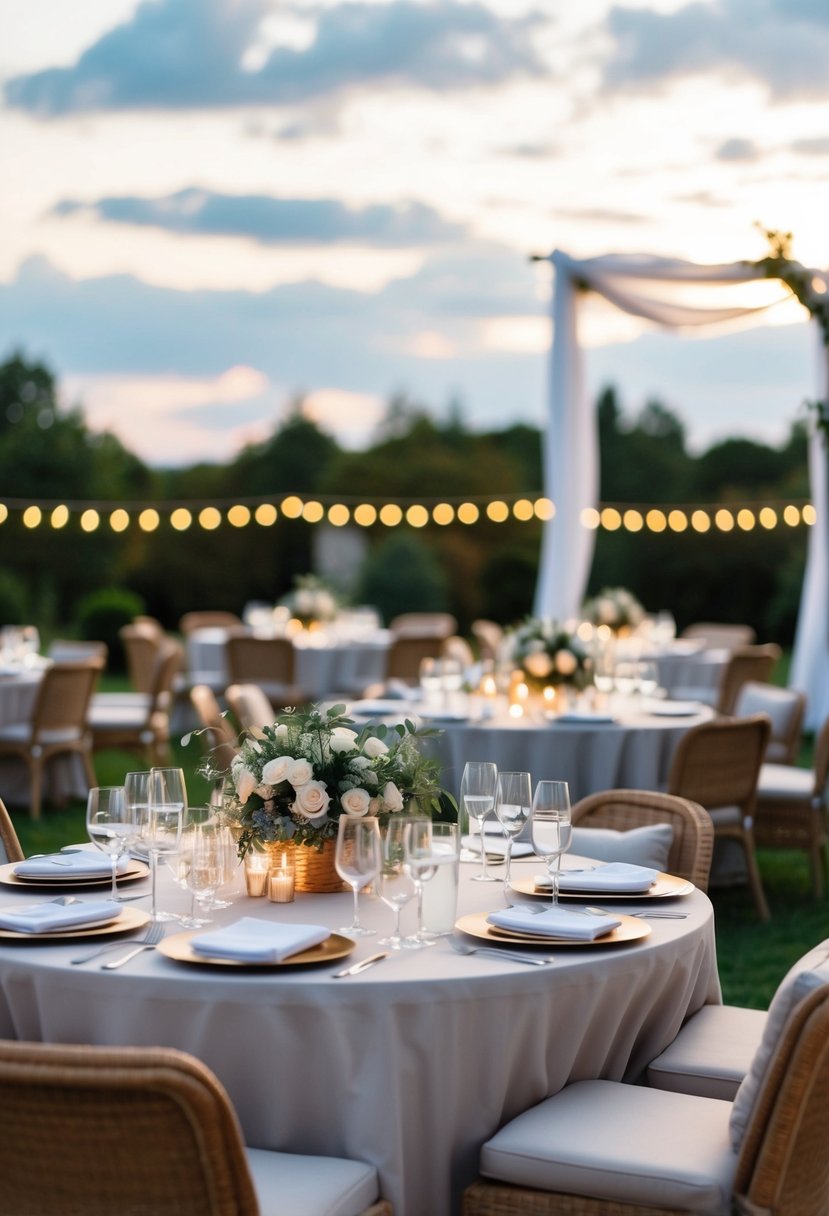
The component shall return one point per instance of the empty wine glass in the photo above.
(513, 804)
(110, 825)
(551, 827)
(477, 800)
(203, 851)
(420, 864)
(358, 859)
(396, 885)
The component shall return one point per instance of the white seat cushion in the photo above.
(623, 1143)
(117, 717)
(645, 846)
(711, 1054)
(21, 732)
(785, 781)
(287, 1183)
(808, 973)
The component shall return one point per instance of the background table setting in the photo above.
(453, 1041)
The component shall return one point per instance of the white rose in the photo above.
(246, 783)
(374, 747)
(276, 770)
(392, 798)
(312, 800)
(538, 665)
(356, 802)
(566, 662)
(281, 731)
(342, 739)
(300, 772)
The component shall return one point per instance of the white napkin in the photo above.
(85, 864)
(554, 922)
(49, 917)
(251, 940)
(496, 845)
(620, 876)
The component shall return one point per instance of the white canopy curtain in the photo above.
(571, 462)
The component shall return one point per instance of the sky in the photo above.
(213, 208)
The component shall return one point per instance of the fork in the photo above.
(535, 960)
(151, 939)
(153, 934)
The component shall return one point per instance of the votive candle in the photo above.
(281, 882)
(256, 873)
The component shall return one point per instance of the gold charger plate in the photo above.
(179, 949)
(666, 886)
(8, 878)
(127, 920)
(476, 925)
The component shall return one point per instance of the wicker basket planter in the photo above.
(315, 871)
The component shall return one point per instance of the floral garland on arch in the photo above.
(295, 781)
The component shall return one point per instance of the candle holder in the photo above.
(256, 873)
(282, 881)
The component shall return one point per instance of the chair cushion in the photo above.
(21, 732)
(785, 781)
(808, 973)
(646, 846)
(622, 1143)
(117, 717)
(311, 1186)
(711, 1054)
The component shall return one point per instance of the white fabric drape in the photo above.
(571, 468)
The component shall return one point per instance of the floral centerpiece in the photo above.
(615, 607)
(312, 601)
(291, 785)
(548, 653)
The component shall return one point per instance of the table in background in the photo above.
(410, 1065)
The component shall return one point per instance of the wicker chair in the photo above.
(457, 648)
(791, 810)
(437, 624)
(602, 1148)
(719, 636)
(141, 649)
(217, 734)
(406, 652)
(140, 723)
(755, 663)
(58, 725)
(693, 832)
(268, 662)
(10, 849)
(92, 1131)
(68, 650)
(717, 765)
(488, 635)
(785, 707)
(250, 707)
(212, 619)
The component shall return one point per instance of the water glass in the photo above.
(440, 895)
(167, 798)
(478, 786)
(396, 885)
(358, 860)
(513, 804)
(419, 862)
(110, 825)
(551, 828)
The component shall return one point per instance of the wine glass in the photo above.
(420, 864)
(551, 827)
(203, 853)
(513, 803)
(166, 800)
(358, 860)
(109, 825)
(477, 800)
(396, 884)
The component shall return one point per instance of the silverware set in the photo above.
(150, 939)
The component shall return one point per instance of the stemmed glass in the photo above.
(166, 800)
(551, 827)
(513, 803)
(109, 824)
(358, 859)
(396, 884)
(203, 852)
(420, 864)
(477, 800)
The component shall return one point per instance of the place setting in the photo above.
(68, 919)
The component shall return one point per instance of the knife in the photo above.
(358, 967)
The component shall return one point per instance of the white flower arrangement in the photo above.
(615, 607)
(548, 653)
(311, 600)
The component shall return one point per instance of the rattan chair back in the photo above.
(141, 650)
(692, 844)
(217, 734)
(785, 707)
(440, 624)
(755, 663)
(250, 707)
(100, 1131)
(63, 697)
(253, 660)
(720, 636)
(209, 619)
(406, 653)
(489, 635)
(10, 849)
(458, 648)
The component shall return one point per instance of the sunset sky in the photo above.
(212, 206)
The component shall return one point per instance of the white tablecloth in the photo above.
(411, 1065)
(64, 775)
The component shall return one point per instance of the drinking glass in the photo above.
(420, 863)
(648, 673)
(110, 825)
(396, 885)
(513, 803)
(202, 850)
(358, 860)
(551, 827)
(477, 800)
(137, 794)
(167, 798)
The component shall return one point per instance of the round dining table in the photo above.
(410, 1065)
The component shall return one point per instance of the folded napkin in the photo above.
(251, 940)
(70, 865)
(51, 918)
(496, 845)
(568, 923)
(619, 876)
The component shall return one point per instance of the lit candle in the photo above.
(256, 873)
(521, 691)
(549, 696)
(488, 686)
(516, 711)
(281, 882)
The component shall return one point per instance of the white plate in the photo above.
(673, 709)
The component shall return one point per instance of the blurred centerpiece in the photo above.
(616, 609)
(312, 602)
(549, 654)
(287, 788)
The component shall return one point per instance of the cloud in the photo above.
(191, 54)
(784, 44)
(274, 221)
(601, 215)
(737, 149)
(819, 146)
